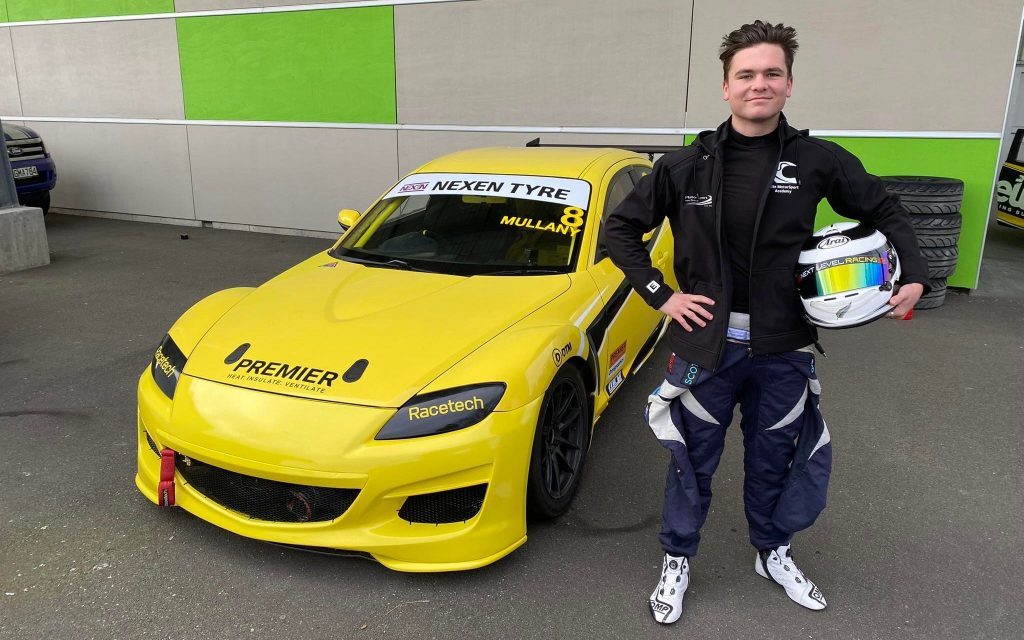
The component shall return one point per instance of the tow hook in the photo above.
(166, 488)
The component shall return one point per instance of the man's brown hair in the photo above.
(757, 33)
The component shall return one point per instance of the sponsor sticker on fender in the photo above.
(567, 191)
(616, 360)
(615, 383)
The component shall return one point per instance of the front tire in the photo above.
(560, 445)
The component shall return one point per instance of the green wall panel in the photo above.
(3, 11)
(307, 66)
(973, 161)
(21, 10)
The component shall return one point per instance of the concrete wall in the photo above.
(347, 92)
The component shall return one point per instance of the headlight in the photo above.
(168, 363)
(442, 411)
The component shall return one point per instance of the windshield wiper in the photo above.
(383, 261)
(520, 271)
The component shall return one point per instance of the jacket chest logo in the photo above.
(785, 181)
(697, 201)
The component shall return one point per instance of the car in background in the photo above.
(34, 171)
(1010, 187)
(417, 389)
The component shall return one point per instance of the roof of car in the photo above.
(566, 162)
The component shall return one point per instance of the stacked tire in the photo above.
(934, 208)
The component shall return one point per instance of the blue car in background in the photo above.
(34, 172)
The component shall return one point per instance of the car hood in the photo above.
(337, 331)
(15, 132)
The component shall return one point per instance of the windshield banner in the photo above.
(566, 191)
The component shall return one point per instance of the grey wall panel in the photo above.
(121, 168)
(10, 97)
(285, 177)
(521, 62)
(418, 147)
(206, 5)
(919, 65)
(106, 69)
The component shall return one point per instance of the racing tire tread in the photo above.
(937, 224)
(923, 185)
(926, 195)
(934, 298)
(931, 208)
(941, 260)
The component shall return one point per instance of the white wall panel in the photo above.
(104, 69)
(294, 178)
(918, 65)
(120, 168)
(529, 62)
(10, 97)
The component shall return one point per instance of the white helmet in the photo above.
(845, 275)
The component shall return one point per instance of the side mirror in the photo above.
(347, 218)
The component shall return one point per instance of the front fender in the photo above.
(524, 359)
(190, 328)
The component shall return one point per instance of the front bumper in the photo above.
(324, 444)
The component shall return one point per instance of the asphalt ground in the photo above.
(922, 537)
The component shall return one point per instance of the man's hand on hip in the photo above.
(685, 308)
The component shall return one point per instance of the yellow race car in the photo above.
(414, 391)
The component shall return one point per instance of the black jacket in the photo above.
(686, 187)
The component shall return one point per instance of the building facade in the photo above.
(247, 114)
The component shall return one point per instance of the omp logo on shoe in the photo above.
(785, 178)
(697, 201)
(660, 607)
(816, 594)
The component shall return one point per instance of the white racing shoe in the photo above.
(777, 565)
(667, 600)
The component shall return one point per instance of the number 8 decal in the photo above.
(572, 217)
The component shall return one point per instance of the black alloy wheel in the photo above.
(559, 446)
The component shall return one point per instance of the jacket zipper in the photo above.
(716, 184)
(757, 225)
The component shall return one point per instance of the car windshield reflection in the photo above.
(467, 235)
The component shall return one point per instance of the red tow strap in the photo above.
(166, 488)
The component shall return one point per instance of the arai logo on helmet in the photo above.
(832, 242)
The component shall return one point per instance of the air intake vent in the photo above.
(456, 505)
(263, 499)
(152, 445)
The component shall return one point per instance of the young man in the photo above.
(741, 201)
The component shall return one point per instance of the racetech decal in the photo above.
(567, 191)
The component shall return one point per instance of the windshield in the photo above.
(473, 225)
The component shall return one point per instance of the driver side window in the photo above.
(620, 186)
